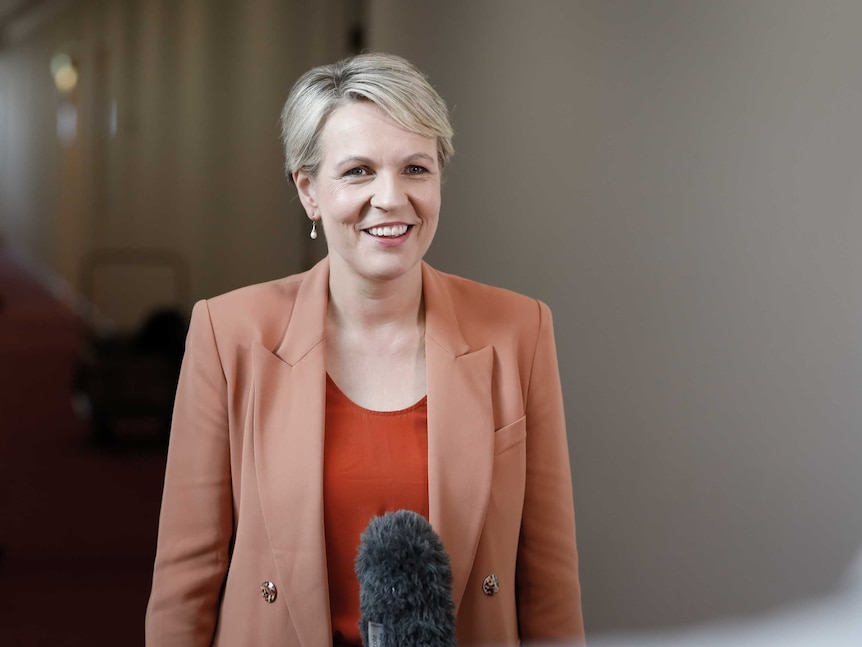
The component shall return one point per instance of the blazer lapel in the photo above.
(289, 405)
(460, 431)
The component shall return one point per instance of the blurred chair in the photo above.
(125, 373)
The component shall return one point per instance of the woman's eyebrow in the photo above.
(418, 156)
(354, 159)
(361, 159)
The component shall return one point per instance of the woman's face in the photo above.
(377, 193)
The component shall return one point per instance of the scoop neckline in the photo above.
(420, 403)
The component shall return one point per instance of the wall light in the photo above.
(64, 72)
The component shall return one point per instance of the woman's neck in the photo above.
(361, 304)
(375, 340)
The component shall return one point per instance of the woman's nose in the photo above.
(389, 192)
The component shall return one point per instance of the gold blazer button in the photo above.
(491, 585)
(268, 591)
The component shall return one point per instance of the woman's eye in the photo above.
(356, 172)
(415, 169)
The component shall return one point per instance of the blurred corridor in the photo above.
(77, 522)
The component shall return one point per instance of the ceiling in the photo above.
(10, 8)
(17, 17)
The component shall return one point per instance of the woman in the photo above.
(372, 382)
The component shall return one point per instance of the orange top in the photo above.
(374, 462)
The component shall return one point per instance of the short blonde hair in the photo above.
(392, 83)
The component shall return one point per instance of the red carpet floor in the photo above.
(77, 523)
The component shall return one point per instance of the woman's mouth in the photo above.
(388, 231)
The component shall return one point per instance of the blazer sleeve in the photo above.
(196, 522)
(549, 596)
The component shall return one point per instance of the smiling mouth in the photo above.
(388, 232)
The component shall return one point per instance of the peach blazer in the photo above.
(243, 488)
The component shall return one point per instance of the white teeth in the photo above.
(398, 230)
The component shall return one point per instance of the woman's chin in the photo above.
(386, 270)
(378, 267)
(392, 271)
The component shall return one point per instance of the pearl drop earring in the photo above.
(313, 233)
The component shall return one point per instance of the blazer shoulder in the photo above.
(473, 300)
(255, 312)
(488, 315)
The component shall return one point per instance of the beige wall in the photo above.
(194, 165)
(679, 181)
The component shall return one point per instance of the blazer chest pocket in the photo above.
(510, 435)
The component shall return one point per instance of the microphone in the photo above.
(405, 584)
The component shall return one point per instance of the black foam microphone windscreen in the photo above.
(405, 584)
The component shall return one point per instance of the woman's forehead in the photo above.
(362, 129)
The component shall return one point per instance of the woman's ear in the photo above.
(305, 188)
